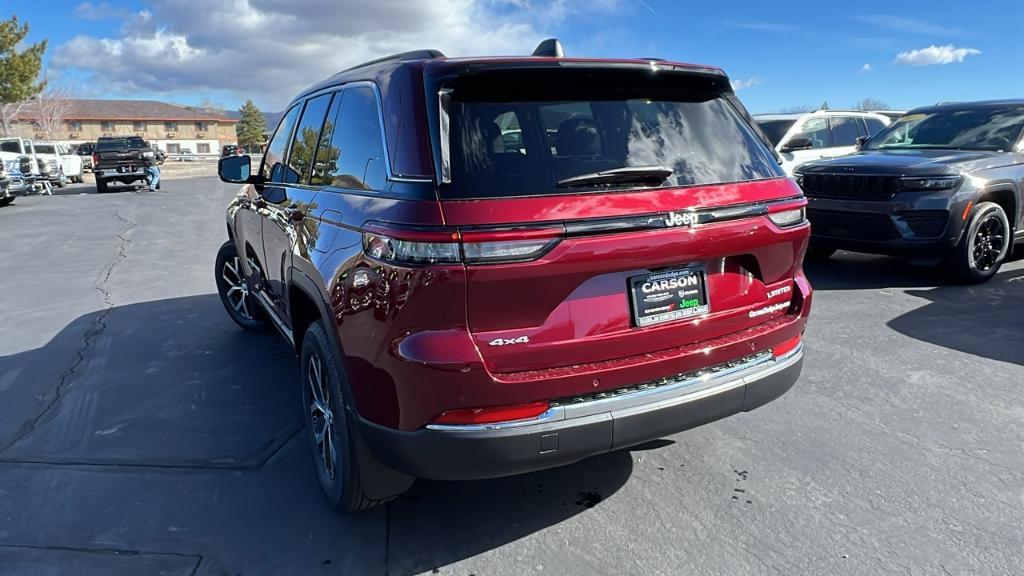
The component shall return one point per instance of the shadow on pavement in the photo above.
(852, 271)
(986, 320)
(170, 383)
(166, 410)
(439, 523)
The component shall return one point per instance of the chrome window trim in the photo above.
(650, 399)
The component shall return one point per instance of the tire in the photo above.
(343, 467)
(984, 246)
(240, 304)
(819, 252)
(101, 186)
(6, 201)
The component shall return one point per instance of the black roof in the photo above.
(978, 105)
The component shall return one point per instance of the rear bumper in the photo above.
(111, 174)
(18, 187)
(576, 430)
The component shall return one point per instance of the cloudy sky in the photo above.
(779, 54)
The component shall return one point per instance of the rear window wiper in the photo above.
(625, 175)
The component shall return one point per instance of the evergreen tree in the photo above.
(251, 126)
(19, 70)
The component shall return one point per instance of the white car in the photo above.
(808, 136)
(69, 163)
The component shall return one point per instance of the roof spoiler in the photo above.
(551, 48)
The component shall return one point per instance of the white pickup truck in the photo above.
(70, 164)
(19, 158)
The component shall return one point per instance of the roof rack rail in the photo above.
(841, 110)
(401, 57)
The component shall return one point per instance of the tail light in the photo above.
(492, 415)
(488, 246)
(95, 158)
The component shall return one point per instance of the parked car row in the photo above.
(30, 169)
(942, 184)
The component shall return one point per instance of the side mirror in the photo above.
(798, 143)
(235, 169)
(860, 141)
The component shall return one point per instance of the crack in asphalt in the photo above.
(198, 558)
(97, 328)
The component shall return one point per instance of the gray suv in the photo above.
(942, 184)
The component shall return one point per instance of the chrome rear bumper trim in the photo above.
(688, 388)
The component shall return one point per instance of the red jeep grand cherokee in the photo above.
(495, 265)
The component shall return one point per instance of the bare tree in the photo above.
(50, 111)
(797, 109)
(8, 113)
(871, 104)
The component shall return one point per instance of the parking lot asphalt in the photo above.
(141, 432)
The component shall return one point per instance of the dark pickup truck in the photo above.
(121, 159)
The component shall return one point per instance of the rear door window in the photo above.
(354, 157)
(522, 138)
(273, 168)
(307, 134)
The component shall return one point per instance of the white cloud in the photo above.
(743, 83)
(866, 68)
(947, 54)
(271, 49)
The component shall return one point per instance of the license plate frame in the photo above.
(668, 296)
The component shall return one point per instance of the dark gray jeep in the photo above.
(942, 184)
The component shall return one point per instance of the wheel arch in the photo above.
(306, 305)
(1007, 198)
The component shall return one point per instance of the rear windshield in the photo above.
(44, 149)
(511, 135)
(119, 144)
(775, 129)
